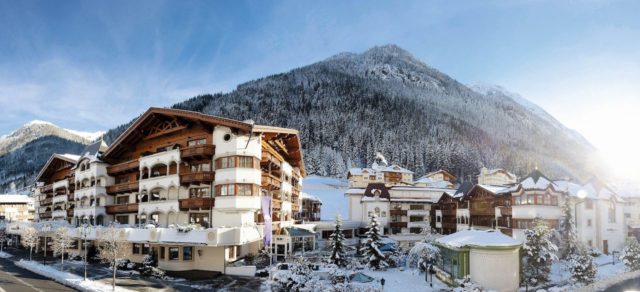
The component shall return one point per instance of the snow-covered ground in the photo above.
(5, 255)
(68, 279)
(561, 277)
(406, 280)
(331, 192)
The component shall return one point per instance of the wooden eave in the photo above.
(286, 142)
(47, 168)
(135, 132)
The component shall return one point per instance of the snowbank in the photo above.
(330, 191)
(5, 255)
(67, 279)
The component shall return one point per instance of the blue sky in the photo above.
(91, 65)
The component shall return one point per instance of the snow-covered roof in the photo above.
(355, 191)
(394, 168)
(359, 171)
(537, 181)
(424, 200)
(412, 188)
(444, 172)
(304, 195)
(478, 238)
(13, 198)
(71, 158)
(496, 170)
(495, 189)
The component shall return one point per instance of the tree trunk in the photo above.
(62, 264)
(30, 249)
(113, 281)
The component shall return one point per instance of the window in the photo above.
(415, 230)
(136, 248)
(199, 218)
(236, 189)
(187, 253)
(202, 141)
(162, 252)
(122, 200)
(589, 222)
(384, 214)
(232, 252)
(612, 212)
(416, 207)
(438, 219)
(199, 193)
(418, 218)
(174, 253)
(200, 167)
(245, 161)
(244, 190)
(122, 219)
(145, 248)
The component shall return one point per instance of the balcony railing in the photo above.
(196, 203)
(124, 208)
(268, 157)
(45, 202)
(398, 224)
(122, 188)
(197, 177)
(45, 215)
(131, 165)
(47, 188)
(198, 151)
(398, 212)
(271, 180)
(449, 212)
(505, 211)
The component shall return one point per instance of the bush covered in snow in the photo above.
(631, 254)
(419, 254)
(580, 264)
(539, 252)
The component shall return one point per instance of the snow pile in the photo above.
(5, 255)
(478, 238)
(67, 279)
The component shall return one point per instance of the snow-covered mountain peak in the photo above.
(36, 129)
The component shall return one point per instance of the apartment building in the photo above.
(16, 208)
(512, 208)
(401, 205)
(198, 190)
(310, 207)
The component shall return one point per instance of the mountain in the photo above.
(24, 151)
(350, 106)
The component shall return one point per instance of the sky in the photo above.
(92, 65)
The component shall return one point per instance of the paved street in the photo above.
(16, 279)
(629, 285)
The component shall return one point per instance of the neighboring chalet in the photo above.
(512, 208)
(15, 207)
(54, 196)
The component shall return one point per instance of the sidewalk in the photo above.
(133, 281)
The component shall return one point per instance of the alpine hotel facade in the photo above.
(190, 186)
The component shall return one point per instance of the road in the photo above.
(16, 279)
(628, 285)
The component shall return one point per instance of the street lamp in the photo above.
(46, 228)
(85, 229)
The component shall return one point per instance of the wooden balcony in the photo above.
(270, 158)
(398, 224)
(121, 209)
(198, 152)
(276, 204)
(398, 212)
(269, 180)
(449, 212)
(47, 188)
(197, 177)
(122, 188)
(449, 225)
(46, 202)
(70, 197)
(196, 203)
(128, 166)
(45, 215)
(505, 211)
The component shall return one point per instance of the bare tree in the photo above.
(30, 239)
(112, 248)
(61, 242)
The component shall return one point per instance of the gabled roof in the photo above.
(93, 151)
(497, 170)
(537, 181)
(373, 187)
(71, 158)
(444, 172)
(133, 134)
(463, 189)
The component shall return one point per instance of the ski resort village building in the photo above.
(16, 208)
(200, 191)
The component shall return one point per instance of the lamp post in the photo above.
(85, 229)
(45, 229)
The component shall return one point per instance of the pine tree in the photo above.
(568, 231)
(337, 245)
(631, 254)
(583, 269)
(539, 252)
(372, 244)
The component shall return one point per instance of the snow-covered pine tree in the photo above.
(580, 263)
(569, 242)
(371, 250)
(539, 252)
(631, 254)
(337, 245)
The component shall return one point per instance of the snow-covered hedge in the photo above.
(68, 279)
